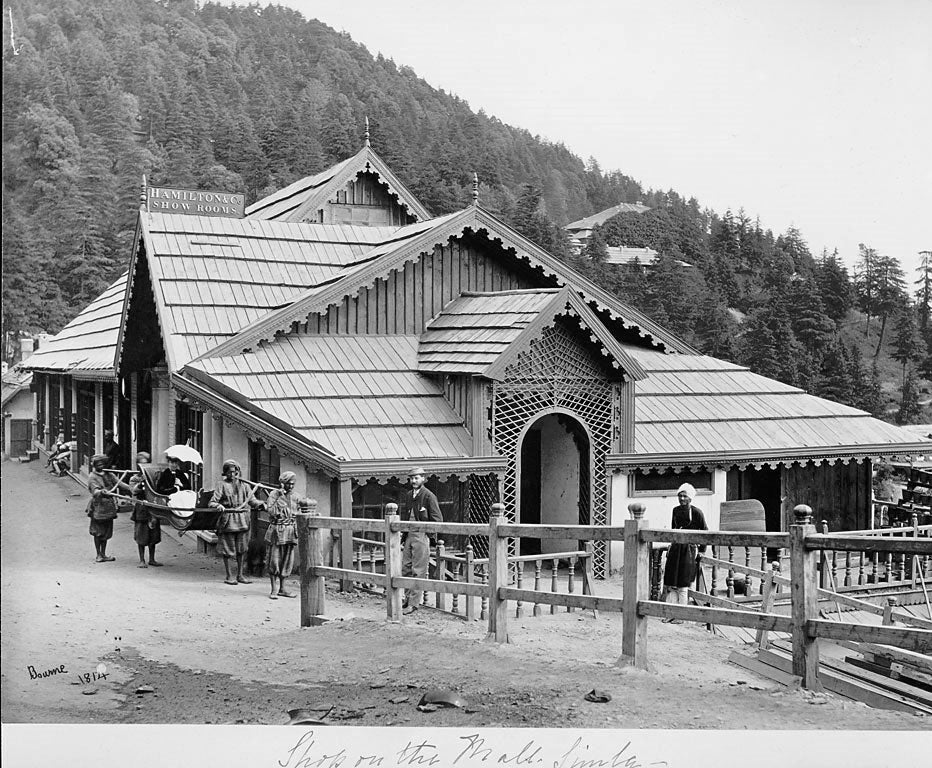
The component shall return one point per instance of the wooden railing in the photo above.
(561, 572)
(804, 544)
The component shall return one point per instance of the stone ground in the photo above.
(217, 654)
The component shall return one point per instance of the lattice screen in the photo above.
(557, 372)
(481, 494)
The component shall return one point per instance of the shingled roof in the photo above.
(480, 333)
(85, 347)
(212, 277)
(393, 255)
(358, 397)
(694, 409)
(293, 202)
(602, 216)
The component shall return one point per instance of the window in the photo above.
(189, 430)
(656, 483)
(86, 421)
(39, 388)
(264, 463)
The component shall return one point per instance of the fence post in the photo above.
(636, 587)
(804, 598)
(823, 560)
(498, 576)
(914, 560)
(470, 579)
(888, 612)
(310, 552)
(766, 605)
(393, 594)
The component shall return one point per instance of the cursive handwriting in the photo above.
(33, 675)
(470, 750)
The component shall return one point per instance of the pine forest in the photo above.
(98, 93)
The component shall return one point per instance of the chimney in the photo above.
(26, 345)
(41, 338)
(5, 368)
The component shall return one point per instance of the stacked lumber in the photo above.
(880, 676)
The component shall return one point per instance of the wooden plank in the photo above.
(852, 689)
(592, 533)
(919, 640)
(764, 670)
(585, 602)
(899, 545)
(906, 675)
(769, 540)
(350, 575)
(919, 660)
(726, 617)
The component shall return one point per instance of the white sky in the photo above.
(815, 114)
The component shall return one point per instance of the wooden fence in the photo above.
(805, 545)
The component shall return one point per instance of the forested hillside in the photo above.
(98, 93)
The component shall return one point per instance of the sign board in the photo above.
(196, 202)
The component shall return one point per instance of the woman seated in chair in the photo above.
(173, 478)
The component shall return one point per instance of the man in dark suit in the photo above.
(420, 504)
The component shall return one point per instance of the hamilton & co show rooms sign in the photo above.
(196, 202)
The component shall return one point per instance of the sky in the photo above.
(812, 114)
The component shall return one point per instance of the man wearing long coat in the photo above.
(421, 505)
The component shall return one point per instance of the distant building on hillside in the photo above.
(624, 256)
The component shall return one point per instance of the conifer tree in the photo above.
(834, 286)
(908, 411)
(908, 345)
(924, 289)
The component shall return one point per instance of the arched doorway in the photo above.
(554, 479)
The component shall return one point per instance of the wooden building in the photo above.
(340, 331)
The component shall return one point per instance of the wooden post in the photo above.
(636, 588)
(346, 536)
(823, 559)
(498, 576)
(440, 597)
(914, 561)
(393, 595)
(470, 579)
(804, 598)
(310, 551)
(588, 575)
(888, 612)
(766, 605)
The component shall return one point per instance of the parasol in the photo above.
(184, 453)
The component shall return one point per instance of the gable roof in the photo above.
(383, 259)
(694, 409)
(357, 397)
(602, 216)
(482, 333)
(15, 380)
(293, 202)
(212, 276)
(85, 347)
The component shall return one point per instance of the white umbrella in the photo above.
(184, 453)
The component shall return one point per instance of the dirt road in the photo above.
(218, 654)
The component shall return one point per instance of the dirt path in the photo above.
(216, 654)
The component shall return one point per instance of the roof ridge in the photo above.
(511, 291)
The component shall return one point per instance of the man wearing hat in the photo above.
(422, 506)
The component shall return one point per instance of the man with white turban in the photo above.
(682, 559)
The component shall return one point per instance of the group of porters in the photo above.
(227, 510)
